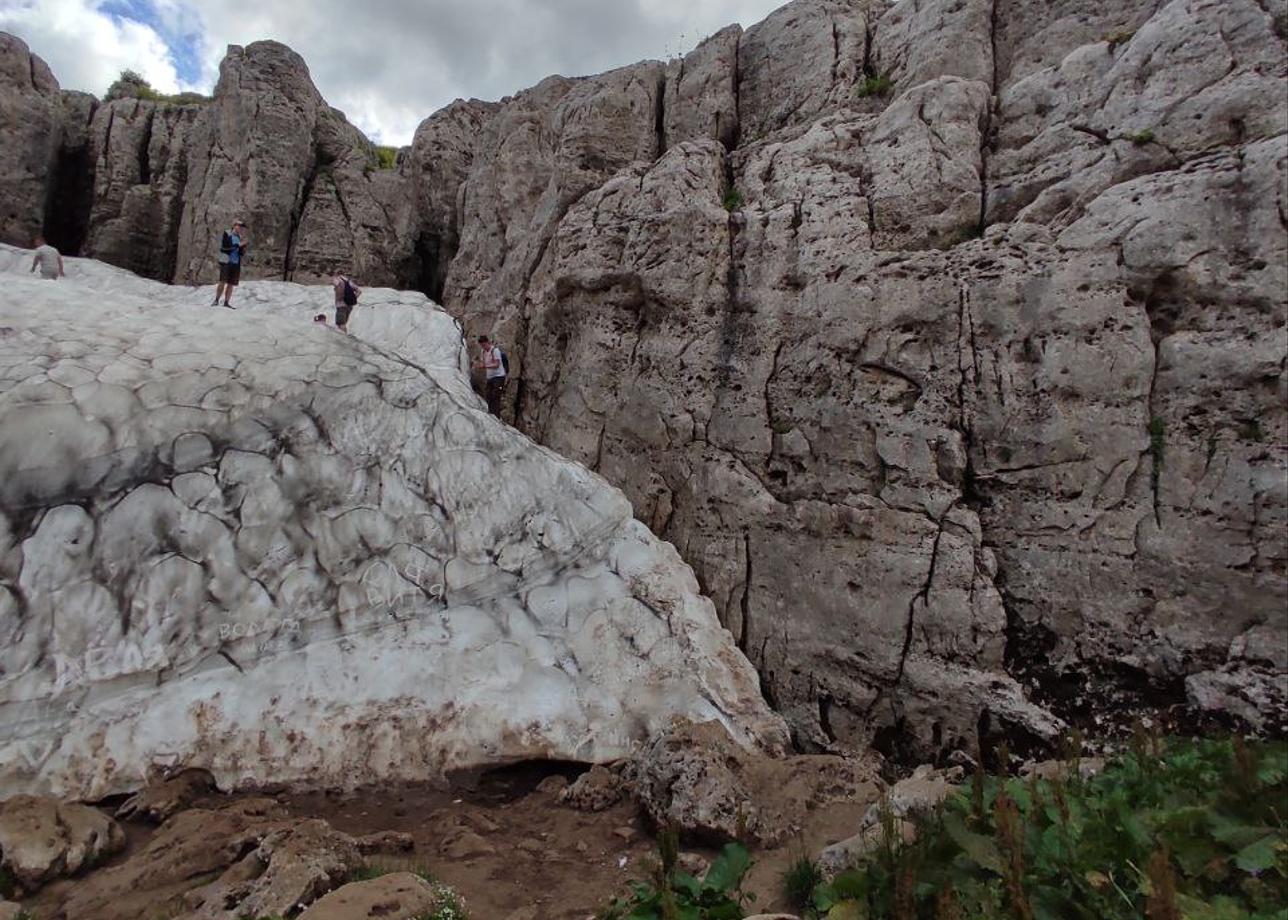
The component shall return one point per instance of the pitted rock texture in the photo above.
(247, 859)
(945, 338)
(31, 125)
(241, 541)
(42, 839)
(699, 780)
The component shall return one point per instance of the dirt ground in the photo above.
(505, 844)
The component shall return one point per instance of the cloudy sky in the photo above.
(386, 63)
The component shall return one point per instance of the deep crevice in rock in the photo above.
(297, 214)
(145, 149)
(67, 214)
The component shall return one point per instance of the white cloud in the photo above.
(386, 63)
(87, 49)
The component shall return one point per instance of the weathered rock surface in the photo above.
(42, 839)
(397, 896)
(907, 799)
(221, 527)
(166, 796)
(697, 779)
(31, 125)
(975, 379)
(247, 859)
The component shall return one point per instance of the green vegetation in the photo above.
(1178, 831)
(674, 895)
(732, 199)
(1118, 38)
(799, 881)
(1251, 431)
(131, 85)
(1157, 433)
(451, 907)
(368, 871)
(874, 85)
(1141, 138)
(386, 157)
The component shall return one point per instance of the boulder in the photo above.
(595, 790)
(169, 794)
(42, 839)
(397, 896)
(244, 859)
(695, 779)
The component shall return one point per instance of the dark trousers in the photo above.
(494, 388)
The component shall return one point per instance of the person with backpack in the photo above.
(346, 298)
(496, 370)
(48, 259)
(232, 250)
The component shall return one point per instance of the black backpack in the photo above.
(505, 360)
(350, 296)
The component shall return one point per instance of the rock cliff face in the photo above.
(245, 542)
(946, 339)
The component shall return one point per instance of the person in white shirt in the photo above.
(49, 259)
(493, 363)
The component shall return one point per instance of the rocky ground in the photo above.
(529, 842)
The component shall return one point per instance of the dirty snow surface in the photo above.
(240, 540)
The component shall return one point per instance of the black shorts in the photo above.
(342, 312)
(229, 273)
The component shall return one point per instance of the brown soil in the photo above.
(505, 844)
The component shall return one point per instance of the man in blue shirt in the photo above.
(232, 249)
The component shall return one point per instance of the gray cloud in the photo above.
(387, 64)
(390, 63)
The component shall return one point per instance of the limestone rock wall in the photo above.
(31, 125)
(916, 378)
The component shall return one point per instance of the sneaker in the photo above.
(215, 302)
(230, 306)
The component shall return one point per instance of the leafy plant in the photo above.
(450, 908)
(1121, 37)
(874, 85)
(670, 894)
(732, 199)
(1157, 434)
(1141, 138)
(386, 157)
(799, 881)
(1187, 829)
(131, 85)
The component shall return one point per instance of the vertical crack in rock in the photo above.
(986, 139)
(836, 52)
(769, 400)
(659, 112)
(744, 634)
(145, 146)
(922, 595)
(735, 138)
(177, 162)
(825, 703)
(297, 214)
(1155, 425)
